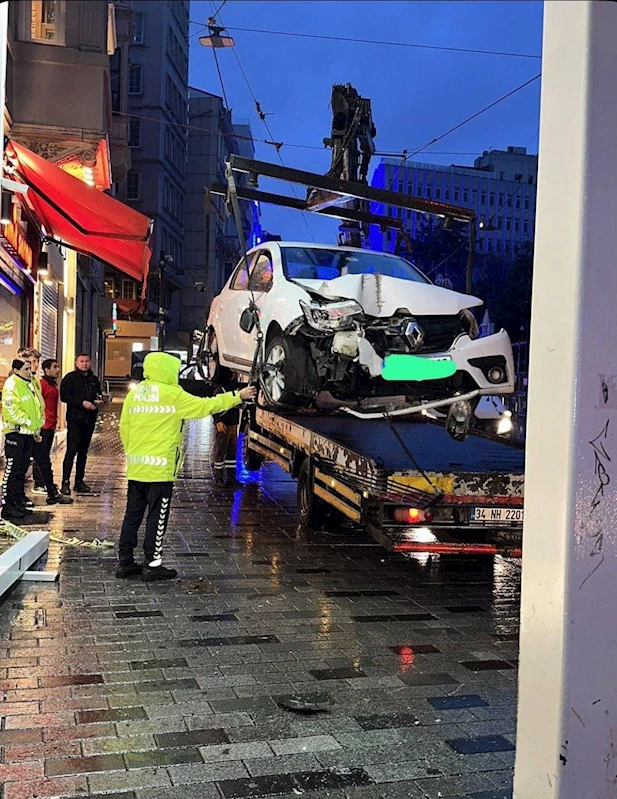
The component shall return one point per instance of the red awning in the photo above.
(82, 217)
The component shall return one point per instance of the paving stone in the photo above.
(235, 751)
(208, 772)
(83, 765)
(457, 702)
(162, 757)
(193, 738)
(129, 780)
(39, 789)
(121, 714)
(481, 744)
(314, 743)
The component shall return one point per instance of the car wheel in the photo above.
(209, 364)
(289, 376)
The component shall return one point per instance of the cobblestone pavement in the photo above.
(177, 690)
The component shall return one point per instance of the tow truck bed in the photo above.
(394, 479)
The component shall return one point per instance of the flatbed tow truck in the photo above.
(401, 477)
(410, 485)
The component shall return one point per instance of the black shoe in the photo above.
(128, 569)
(82, 488)
(233, 482)
(56, 498)
(26, 502)
(13, 513)
(24, 508)
(152, 573)
(66, 488)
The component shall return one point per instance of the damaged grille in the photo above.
(393, 335)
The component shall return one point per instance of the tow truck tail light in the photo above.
(412, 515)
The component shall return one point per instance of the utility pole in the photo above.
(567, 715)
(164, 262)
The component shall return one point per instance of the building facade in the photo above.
(213, 245)
(500, 187)
(156, 114)
(57, 105)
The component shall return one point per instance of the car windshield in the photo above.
(317, 263)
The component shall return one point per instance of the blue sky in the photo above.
(416, 94)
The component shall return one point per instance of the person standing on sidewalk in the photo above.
(226, 437)
(81, 391)
(42, 469)
(151, 429)
(22, 418)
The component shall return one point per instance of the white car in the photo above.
(333, 317)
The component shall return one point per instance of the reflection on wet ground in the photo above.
(403, 669)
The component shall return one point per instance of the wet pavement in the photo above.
(181, 690)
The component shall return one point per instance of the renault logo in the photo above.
(414, 335)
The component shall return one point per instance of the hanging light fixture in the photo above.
(214, 38)
(6, 216)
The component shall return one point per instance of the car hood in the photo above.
(380, 295)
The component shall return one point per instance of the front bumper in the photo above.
(478, 356)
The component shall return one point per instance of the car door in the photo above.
(231, 303)
(259, 284)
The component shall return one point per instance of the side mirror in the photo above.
(248, 320)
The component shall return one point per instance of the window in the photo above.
(516, 226)
(465, 196)
(438, 194)
(240, 281)
(129, 290)
(525, 227)
(509, 202)
(518, 202)
(483, 198)
(135, 79)
(447, 194)
(527, 203)
(43, 21)
(491, 199)
(132, 185)
(429, 192)
(501, 200)
(261, 274)
(508, 224)
(489, 246)
(498, 246)
(316, 263)
(419, 190)
(138, 28)
(134, 132)
(456, 195)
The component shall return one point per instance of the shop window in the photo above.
(136, 79)
(43, 21)
(129, 291)
(10, 328)
(132, 185)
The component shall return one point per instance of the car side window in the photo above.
(261, 273)
(240, 281)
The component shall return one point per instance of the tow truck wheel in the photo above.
(252, 460)
(312, 509)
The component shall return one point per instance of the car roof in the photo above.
(313, 246)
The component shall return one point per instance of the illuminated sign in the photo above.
(114, 316)
(17, 241)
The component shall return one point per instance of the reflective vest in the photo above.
(22, 410)
(152, 420)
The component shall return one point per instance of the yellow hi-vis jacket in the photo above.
(22, 411)
(152, 420)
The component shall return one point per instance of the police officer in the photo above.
(22, 417)
(151, 429)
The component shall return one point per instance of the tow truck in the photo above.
(414, 483)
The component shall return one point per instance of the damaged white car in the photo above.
(360, 325)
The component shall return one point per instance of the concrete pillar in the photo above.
(567, 728)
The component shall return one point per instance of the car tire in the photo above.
(208, 362)
(289, 376)
(312, 510)
(251, 460)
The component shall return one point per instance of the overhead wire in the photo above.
(443, 48)
(262, 117)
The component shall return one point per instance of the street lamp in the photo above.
(164, 262)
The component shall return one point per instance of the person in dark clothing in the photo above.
(226, 436)
(81, 391)
(41, 468)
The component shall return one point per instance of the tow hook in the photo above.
(458, 423)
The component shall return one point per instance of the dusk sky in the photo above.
(416, 94)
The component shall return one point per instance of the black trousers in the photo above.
(41, 468)
(156, 499)
(224, 453)
(78, 438)
(17, 451)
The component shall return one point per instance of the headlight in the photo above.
(472, 325)
(333, 316)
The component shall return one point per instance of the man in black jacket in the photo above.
(81, 391)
